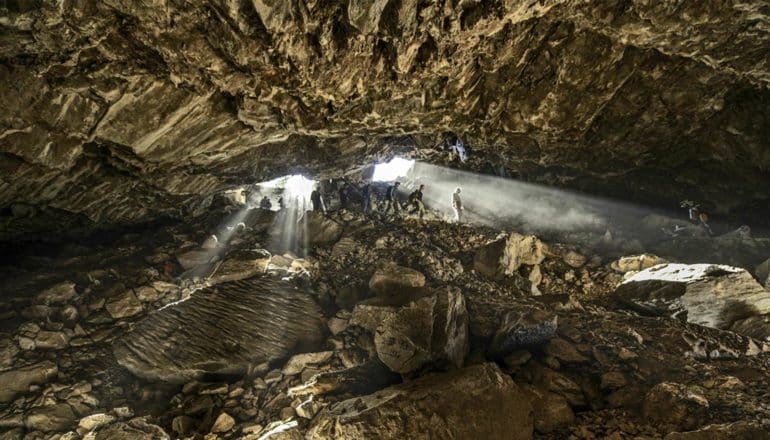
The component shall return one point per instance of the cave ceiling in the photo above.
(118, 110)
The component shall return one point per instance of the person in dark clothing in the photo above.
(281, 203)
(366, 193)
(391, 198)
(343, 193)
(265, 203)
(415, 202)
(317, 201)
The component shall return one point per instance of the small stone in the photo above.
(517, 358)
(58, 294)
(574, 259)
(124, 306)
(183, 425)
(147, 294)
(287, 413)
(273, 376)
(26, 343)
(51, 340)
(223, 423)
(299, 362)
(613, 380)
(123, 412)
(89, 423)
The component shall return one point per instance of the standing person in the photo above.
(281, 203)
(391, 198)
(457, 205)
(704, 218)
(265, 203)
(343, 193)
(415, 201)
(366, 192)
(317, 201)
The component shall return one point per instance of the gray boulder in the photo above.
(523, 329)
(710, 295)
(431, 329)
(223, 329)
(478, 402)
(505, 256)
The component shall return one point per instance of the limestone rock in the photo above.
(58, 294)
(133, 430)
(51, 340)
(675, 407)
(636, 263)
(505, 256)
(223, 423)
(320, 229)
(240, 265)
(392, 278)
(94, 421)
(523, 329)
(474, 402)
(742, 430)
(124, 305)
(432, 329)
(59, 417)
(197, 257)
(710, 295)
(17, 381)
(222, 329)
(574, 259)
(551, 411)
(299, 362)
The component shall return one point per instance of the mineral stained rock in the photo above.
(222, 329)
(474, 402)
(152, 104)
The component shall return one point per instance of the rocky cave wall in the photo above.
(120, 110)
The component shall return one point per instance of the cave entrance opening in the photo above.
(392, 170)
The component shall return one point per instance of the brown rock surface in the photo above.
(475, 402)
(161, 103)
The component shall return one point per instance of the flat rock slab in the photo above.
(222, 329)
(478, 402)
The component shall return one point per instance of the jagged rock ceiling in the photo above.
(120, 109)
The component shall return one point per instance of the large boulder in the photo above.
(320, 229)
(710, 295)
(17, 381)
(392, 278)
(222, 329)
(757, 326)
(675, 407)
(523, 329)
(431, 329)
(505, 256)
(478, 402)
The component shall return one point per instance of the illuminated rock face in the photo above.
(119, 109)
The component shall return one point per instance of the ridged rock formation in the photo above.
(222, 329)
(119, 109)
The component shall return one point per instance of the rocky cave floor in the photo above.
(385, 329)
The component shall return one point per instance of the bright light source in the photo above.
(295, 185)
(397, 167)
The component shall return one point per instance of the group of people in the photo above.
(414, 204)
